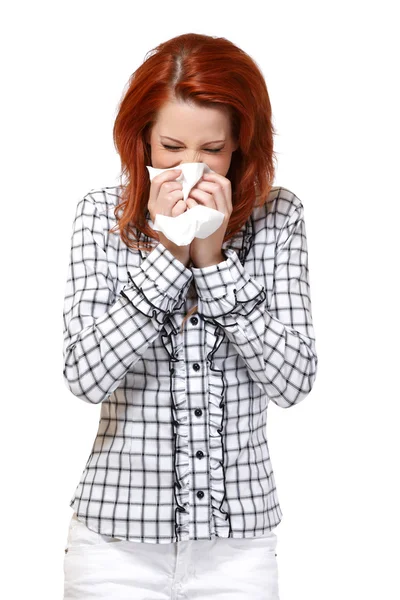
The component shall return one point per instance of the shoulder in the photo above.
(94, 215)
(95, 210)
(102, 200)
(281, 207)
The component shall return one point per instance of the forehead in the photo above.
(178, 118)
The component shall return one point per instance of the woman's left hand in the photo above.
(213, 190)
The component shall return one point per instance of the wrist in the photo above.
(183, 257)
(181, 253)
(209, 262)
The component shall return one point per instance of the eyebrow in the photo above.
(179, 142)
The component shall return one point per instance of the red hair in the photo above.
(208, 71)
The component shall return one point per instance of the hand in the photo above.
(213, 190)
(166, 198)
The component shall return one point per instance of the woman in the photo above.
(184, 346)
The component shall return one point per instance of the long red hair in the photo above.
(210, 71)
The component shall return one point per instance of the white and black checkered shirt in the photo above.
(181, 450)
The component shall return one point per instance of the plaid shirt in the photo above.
(181, 450)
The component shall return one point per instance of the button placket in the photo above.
(197, 385)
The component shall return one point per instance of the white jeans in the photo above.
(103, 567)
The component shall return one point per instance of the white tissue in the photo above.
(199, 221)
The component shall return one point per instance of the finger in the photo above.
(171, 200)
(224, 184)
(179, 208)
(191, 202)
(215, 183)
(168, 175)
(158, 180)
(202, 197)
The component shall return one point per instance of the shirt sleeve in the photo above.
(276, 342)
(104, 333)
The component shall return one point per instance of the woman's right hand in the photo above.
(166, 198)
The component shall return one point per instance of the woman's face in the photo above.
(185, 132)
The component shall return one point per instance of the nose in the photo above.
(188, 162)
(191, 157)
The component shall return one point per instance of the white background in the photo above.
(333, 81)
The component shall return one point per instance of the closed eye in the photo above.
(214, 150)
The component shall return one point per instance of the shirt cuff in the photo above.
(162, 280)
(226, 288)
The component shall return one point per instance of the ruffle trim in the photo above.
(232, 318)
(151, 300)
(179, 418)
(220, 521)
